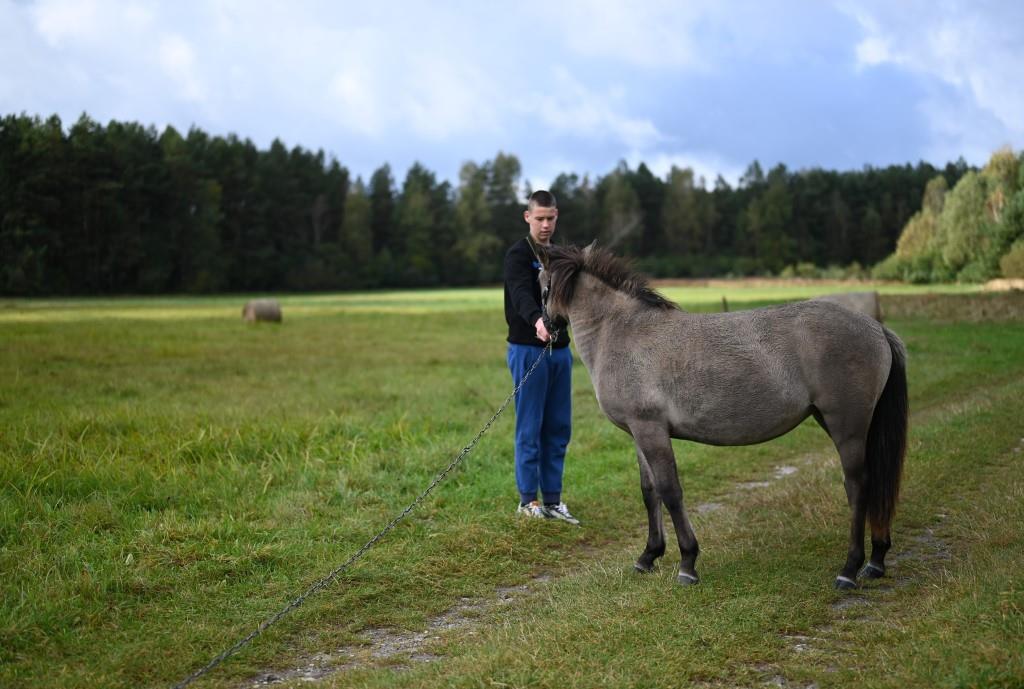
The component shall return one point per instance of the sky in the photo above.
(567, 86)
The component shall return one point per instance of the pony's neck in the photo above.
(596, 309)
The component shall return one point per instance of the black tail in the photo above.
(887, 440)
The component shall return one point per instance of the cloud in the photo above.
(970, 52)
(447, 98)
(960, 127)
(178, 59)
(541, 171)
(357, 107)
(704, 164)
(436, 101)
(651, 34)
(60, 20)
(570, 108)
(873, 51)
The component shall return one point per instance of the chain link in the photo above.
(326, 581)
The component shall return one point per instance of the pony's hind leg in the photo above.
(655, 527)
(653, 442)
(851, 454)
(880, 544)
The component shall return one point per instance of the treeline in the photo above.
(972, 233)
(123, 208)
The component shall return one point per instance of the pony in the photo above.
(736, 378)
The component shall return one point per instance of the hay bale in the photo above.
(1004, 285)
(256, 310)
(862, 302)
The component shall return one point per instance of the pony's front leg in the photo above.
(655, 527)
(653, 442)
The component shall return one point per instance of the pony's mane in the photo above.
(567, 262)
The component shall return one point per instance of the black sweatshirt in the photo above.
(522, 297)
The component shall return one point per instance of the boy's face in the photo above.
(542, 223)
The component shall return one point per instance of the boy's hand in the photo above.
(542, 332)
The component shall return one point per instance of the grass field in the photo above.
(170, 477)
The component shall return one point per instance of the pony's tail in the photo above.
(887, 440)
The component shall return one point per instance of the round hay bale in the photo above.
(862, 302)
(261, 310)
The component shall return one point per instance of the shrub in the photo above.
(940, 272)
(889, 268)
(1012, 263)
(977, 271)
(800, 270)
(744, 266)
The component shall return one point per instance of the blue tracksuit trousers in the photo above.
(543, 419)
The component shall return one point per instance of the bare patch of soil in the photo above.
(383, 644)
(780, 472)
(924, 546)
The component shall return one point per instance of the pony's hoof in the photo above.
(640, 568)
(873, 571)
(687, 579)
(845, 583)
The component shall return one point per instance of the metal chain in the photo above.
(323, 583)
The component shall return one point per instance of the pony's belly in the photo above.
(733, 436)
(731, 420)
(740, 424)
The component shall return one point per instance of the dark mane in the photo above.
(566, 263)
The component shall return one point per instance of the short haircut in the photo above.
(542, 199)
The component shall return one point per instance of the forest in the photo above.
(89, 209)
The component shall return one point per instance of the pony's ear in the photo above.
(544, 254)
(589, 247)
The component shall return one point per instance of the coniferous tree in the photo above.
(356, 238)
(650, 193)
(382, 208)
(502, 192)
(122, 208)
(577, 215)
(622, 219)
(680, 216)
(477, 244)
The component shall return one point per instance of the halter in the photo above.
(544, 294)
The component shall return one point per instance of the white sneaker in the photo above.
(534, 510)
(560, 511)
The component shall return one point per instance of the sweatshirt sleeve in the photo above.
(519, 277)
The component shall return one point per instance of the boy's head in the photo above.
(541, 215)
(542, 198)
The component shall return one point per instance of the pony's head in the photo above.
(562, 265)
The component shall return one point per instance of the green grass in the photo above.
(169, 477)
